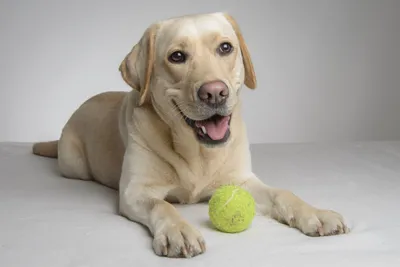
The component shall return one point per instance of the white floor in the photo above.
(50, 221)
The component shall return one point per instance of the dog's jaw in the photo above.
(213, 131)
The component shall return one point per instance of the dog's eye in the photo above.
(225, 49)
(177, 57)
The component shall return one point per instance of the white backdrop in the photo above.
(327, 70)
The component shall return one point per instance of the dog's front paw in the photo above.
(315, 222)
(178, 240)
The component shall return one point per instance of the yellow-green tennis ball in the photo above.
(231, 209)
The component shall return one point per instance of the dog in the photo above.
(178, 134)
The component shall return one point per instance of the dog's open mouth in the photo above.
(214, 130)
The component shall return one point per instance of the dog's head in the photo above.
(191, 69)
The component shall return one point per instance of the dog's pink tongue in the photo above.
(216, 130)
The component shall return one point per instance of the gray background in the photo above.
(327, 70)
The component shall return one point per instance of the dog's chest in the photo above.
(196, 179)
(184, 196)
(194, 189)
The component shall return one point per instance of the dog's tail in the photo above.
(46, 149)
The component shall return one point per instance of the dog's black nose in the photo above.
(213, 93)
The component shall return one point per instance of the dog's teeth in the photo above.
(203, 129)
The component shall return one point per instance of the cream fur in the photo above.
(138, 143)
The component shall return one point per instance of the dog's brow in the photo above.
(181, 42)
(211, 37)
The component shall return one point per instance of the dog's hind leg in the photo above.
(71, 156)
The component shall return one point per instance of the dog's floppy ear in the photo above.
(137, 67)
(250, 79)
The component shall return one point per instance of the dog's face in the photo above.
(191, 69)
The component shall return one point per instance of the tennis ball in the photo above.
(231, 209)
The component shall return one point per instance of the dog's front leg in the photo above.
(285, 207)
(141, 199)
(172, 235)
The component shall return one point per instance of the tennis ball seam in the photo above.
(230, 198)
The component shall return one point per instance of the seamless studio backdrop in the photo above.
(327, 70)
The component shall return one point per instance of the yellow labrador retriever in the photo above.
(178, 135)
